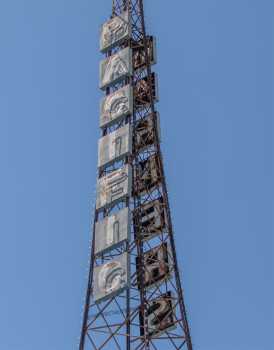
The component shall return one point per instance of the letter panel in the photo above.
(147, 175)
(152, 218)
(139, 57)
(142, 89)
(112, 231)
(157, 265)
(111, 279)
(114, 31)
(116, 106)
(113, 187)
(115, 68)
(114, 146)
(145, 136)
(160, 316)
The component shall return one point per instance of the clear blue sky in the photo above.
(216, 103)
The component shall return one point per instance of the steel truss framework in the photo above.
(120, 322)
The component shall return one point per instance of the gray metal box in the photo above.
(115, 67)
(115, 31)
(114, 187)
(111, 278)
(115, 145)
(117, 105)
(112, 231)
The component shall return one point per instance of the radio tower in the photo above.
(134, 296)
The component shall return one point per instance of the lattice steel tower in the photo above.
(134, 297)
